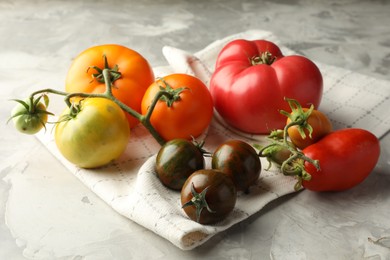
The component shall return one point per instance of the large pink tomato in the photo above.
(252, 79)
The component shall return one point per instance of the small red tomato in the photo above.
(320, 125)
(208, 196)
(346, 158)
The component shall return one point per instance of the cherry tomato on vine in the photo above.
(239, 161)
(346, 157)
(317, 125)
(131, 74)
(177, 160)
(29, 116)
(93, 135)
(251, 79)
(208, 196)
(186, 114)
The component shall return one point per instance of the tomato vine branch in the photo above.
(106, 75)
(294, 164)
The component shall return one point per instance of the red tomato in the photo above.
(320, 124)
(188, 116)
(346, 158)
(249, 90)
(136, 74)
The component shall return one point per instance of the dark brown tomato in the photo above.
(208, 196)
(176, 160)
(238, 160)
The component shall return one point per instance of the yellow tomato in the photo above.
(95, 135)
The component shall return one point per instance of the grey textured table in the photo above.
(47, 213)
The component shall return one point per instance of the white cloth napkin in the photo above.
(131, 187)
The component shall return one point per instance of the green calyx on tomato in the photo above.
(74, 109)
(113, 72)
(171, 95)
(264, 58)
(299, 117)
(306, 126)
(208, 196)
(31, 115)
(198, 201)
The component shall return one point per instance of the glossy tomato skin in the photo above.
(176, 161)
(249, 96)
(97, 135)
(221, 195)
(239, 161)
(136, 74)
(346, 158)
(321, 126)
(187, 117)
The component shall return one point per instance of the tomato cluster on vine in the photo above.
(322, 159)
(109, 89)
(208, 195)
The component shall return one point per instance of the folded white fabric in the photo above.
(131, 187)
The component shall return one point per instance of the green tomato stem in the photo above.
(56, 92)
(301, 117)
(264, 58)
(144, 119)
(288, 144)
(294, 165)
(49, 90)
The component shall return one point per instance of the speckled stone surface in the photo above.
(47, 213)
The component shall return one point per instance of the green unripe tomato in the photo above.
(27, 120)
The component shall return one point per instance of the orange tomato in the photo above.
(188, 116)
(136, 74)
(321, 126)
